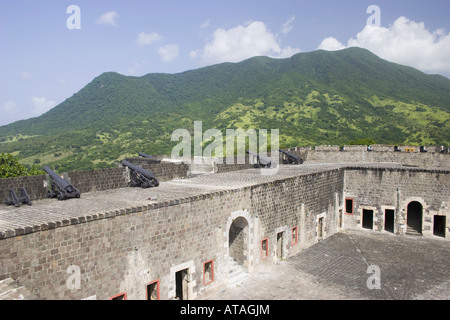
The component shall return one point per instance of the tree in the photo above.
(10, 167)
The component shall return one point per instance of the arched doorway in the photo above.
(238, 240)
(414, 216)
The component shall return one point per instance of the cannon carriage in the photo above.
(289, 158)
(60, 188)
(261, 160)
(140, 177)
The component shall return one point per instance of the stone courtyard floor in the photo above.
(410, 267)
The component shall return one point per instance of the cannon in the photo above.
(289, 158)
(13, 199)
(140, 177)
(143, 155)
(60, 188)
(262, 161)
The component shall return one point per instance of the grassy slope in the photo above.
(312, 98)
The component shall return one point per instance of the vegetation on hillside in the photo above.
(10, 167)
(311, 98)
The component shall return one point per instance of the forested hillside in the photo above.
(313, 98)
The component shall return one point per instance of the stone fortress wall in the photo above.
(183, 238)
(406, 155)
(94, 180)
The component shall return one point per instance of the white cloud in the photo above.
(41, 105)
(108, 18)
(240, 43)
(148, 38)
(331, 44)
(405, 42)
(169, 52)
(287, 26)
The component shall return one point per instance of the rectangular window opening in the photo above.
(264, 248)
(367, 219)
(439, 226)
(153, 290)
(280, 245)
(120, 296)
(294, 238)
(389, 216)
(208, 272)
(320, 228)
(349, 206)
(181, 285)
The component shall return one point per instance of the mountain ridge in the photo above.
(318, 97)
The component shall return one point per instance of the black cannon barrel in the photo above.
(60, 188)
(63, 183)
(145, 173)
(143, 155)
(140, 177)
(292, 157)
(263, 160)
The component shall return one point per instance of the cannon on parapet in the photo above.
(140, 177)
(60, 188)
(262, 161)
(143, 155)
(289, 158)
(13, 199)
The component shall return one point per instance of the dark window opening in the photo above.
(389, 217)
(439, 226)
(349, 206)
(294, 239)
(367, 219)
(181, 285)
(153, 290)
(264, 248)
(208, 272)
(121, 296)
(280, 245)
(320, 228)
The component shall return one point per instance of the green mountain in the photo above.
(313, 98)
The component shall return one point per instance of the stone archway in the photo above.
(414, 217)
(238, 236)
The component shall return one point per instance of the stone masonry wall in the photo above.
(122, 251)
(379, 154)
(297, 202)
(34, 185)
(379, 189)
(91, 180)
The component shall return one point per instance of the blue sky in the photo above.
(48, 52)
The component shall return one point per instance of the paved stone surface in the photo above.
(411, 267)
(12, 290)
(91, 205)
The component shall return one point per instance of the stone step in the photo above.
(412, 232)
(237, 273)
